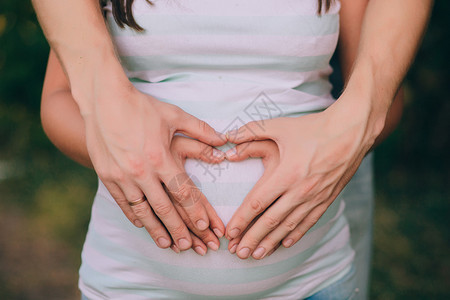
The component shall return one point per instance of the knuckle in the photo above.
(187, 195)
(290, 224)
(117, 177)
(206, 151)
(141, 210)
(307, 187)
(185, 191)
(136, 167)
(156, 232)
(203, 126)
(256, 206)
(271, 222)
(156, 157)
(163, 209)
(121, 201)
(110, 174)
(252, 241)
(270, 242)
(239, 222)
(174, 113)
(177, 230)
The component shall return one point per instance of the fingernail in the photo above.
(138, 223)
(234, 233)
(259, 252)
(288, 243)
(200, 250)
(233, 249)
(244, 252)
(218, 233)
(231, 153)
(202, 225)
(175, 248)
(163, 242)
(183, 243)
(213, 246)
(217, 153)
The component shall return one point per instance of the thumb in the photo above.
(189, 148)
(252, 149)
(200, 130)
(267, 150)
(252, 131)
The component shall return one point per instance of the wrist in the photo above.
(97, 76)
(366, 98)
(359, 109)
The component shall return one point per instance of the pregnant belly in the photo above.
(225, 185)
(118, 256)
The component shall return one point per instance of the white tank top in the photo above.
(227, 63)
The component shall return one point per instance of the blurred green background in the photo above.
(45, 198)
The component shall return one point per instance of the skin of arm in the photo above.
(351, 19)
(319, 153)
(128, 134)
(60, 115)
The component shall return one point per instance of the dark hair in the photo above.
(123, 14)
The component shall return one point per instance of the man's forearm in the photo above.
(77, 33)
(391, 33)
(351, 19)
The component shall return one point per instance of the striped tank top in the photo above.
(227, 63)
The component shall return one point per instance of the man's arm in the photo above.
(391, 33)
(351, 16)
(128, 133)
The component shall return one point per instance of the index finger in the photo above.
(268, 188)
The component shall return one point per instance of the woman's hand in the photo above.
(268, 151)
(128, 136)
(182, 148)
(318, 155)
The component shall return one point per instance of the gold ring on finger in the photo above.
(137, 201)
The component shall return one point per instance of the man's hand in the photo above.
(129, 135)
(65, 127)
